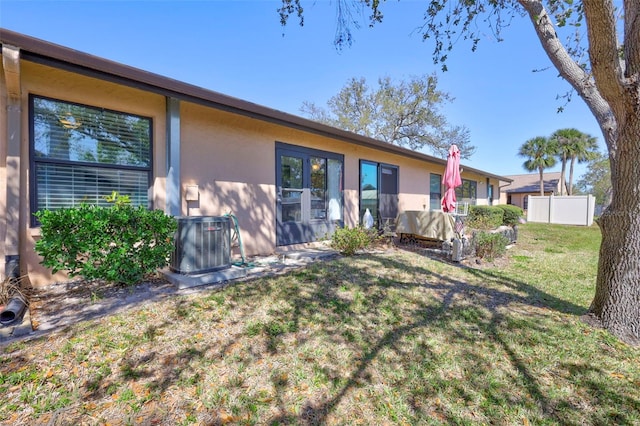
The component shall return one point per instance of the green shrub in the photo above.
(511, 214)
(490, 245)
(349, 240)
(119, 244)
(484, 217)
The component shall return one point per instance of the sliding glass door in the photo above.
(378, 191)
(309, 194)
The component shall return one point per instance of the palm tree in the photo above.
(540, 153)
(563, 139)
(572, 145)
(583, 149)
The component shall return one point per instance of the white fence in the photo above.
(566, 210)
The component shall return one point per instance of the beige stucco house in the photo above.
(76, 127)
(521, 186)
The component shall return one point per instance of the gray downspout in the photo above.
(11, 64)
(173, 200)
(17, 304)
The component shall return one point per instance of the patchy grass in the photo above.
(393, 338)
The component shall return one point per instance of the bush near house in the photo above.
(511, 214)
(484, 217)
(118, 244)
(490, 245)
(491, 217)
(349, 240)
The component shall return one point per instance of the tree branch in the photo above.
(606, 65)
(579, 79)
(632, 38)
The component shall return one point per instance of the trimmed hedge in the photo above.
(511, 214)
(485, 217)
(491, 217)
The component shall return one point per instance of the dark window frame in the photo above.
(33, 161)
(490, 192)
(379, 166)
(467, 185)
(307, 153)
(438, 198)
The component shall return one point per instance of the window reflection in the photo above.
(435, 192)
(369, 189)
(318, 188)
(82, 153)
(292, 169)
(311, 187)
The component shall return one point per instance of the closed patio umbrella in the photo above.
(451, 179)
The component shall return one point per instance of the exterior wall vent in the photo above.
(203, 244)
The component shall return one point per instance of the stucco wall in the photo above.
(503, 197)
(518, 199)
(231, 159)
(50, 82)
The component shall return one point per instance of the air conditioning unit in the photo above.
(203, 244)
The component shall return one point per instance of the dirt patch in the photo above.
(62, 304)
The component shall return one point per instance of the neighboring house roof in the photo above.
(531, 183)
(46, 53)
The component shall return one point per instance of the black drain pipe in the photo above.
(17, 305)
(12, 267)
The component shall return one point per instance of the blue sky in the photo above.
(239, 48)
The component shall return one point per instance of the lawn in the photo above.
(383, 338)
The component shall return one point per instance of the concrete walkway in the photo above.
(256, 267)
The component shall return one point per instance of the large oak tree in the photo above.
(609, 82)
(405, 113)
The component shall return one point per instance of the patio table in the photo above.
(427, 224)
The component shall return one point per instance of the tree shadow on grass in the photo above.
(381, 311)
(535, 296)
(497, 290)
(460, 302)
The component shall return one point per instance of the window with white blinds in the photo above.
(80, 154)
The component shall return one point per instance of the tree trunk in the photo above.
(570, 186)
(617, 300)
(541, 181)
(612, 93)
(562, 173)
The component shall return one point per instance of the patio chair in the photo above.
(461, 210)
(388, 228)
